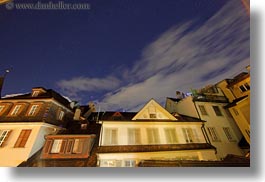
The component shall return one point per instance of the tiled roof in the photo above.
(48, 94)
(174, 99)
(153, 148)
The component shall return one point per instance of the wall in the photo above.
(123, 130)
(11, 156)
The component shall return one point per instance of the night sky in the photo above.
(122, 53)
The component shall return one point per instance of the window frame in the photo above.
(61, 114)
(170, 136)
(203, 110)
(134, 136)
(111, 136)
(213, 134)
(33, 109)
(217, 111)
(153, 136)
(16, 110)
(229, 135)
(4, 137)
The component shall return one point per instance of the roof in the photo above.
(154, 148)
(43, 95)
(183, 118)
(234, 103)
(112, 115)
(238, 78)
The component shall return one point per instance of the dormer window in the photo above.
(61, 115)
(35, 93)
(2, 108)
(33, 110)
(15, 111)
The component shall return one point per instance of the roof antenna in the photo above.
(2, 79)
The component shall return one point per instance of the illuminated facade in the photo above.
(26, 119)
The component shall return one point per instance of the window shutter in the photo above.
(23, 138)
(47, 146)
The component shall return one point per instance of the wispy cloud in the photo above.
(184, 57)
(75, 85)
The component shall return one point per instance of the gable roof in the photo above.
(152, 107)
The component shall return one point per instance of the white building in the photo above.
(152, 133)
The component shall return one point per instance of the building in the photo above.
(26, 119)
(209, 104)
(152, 133)
(237, 90)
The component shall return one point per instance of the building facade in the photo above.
(152, 133)
(26, 119)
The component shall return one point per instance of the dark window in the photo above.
(217, 111)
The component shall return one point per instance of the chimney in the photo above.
(77, 114)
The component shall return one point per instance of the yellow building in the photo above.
(237, 90)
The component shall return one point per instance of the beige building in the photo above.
(220, 127)
(26, 119)
(152, 133)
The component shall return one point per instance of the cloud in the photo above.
(184, 57)
(75, 85)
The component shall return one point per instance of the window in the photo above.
(171, 135)
(33, 110)
(152, 116)
(244, 87)
(217, 111)
(111, 136)
(78, 146)
(203, 110)
(190, 135)
(129, 163)
(4, 136)
(153, 135)
(213, 134)
(1, 109)
(228, 134)
(134, 136)
(35, 93)
(16, 110)
(23, 138)
(61, 115)
(110, 163)
(56, 146)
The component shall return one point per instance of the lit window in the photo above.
(153, 135)
(111, 136)
(203, 110)
(152, 116)
(78, 146)
(190, 135)
(56, 146)
(217, 111)
(171, 135)
(61, 115)
(16, 110)
(3, 136)
(23, 138)
(33, 110)
(213, 134)
(129, 163)
(134, 137)
(35, 93)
